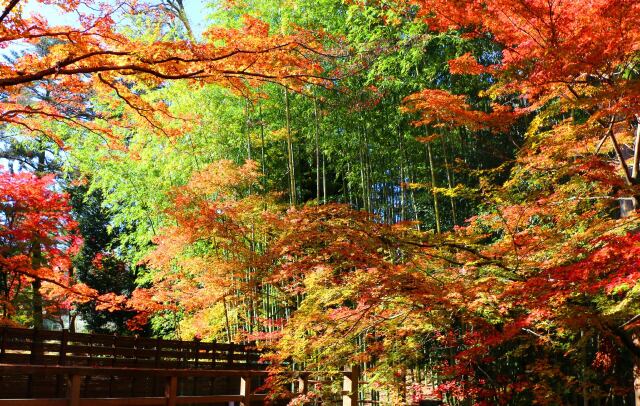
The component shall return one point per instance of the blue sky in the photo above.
(196, 11)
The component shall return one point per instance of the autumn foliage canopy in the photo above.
(93, 59)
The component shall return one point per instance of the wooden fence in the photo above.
(32, 346)
(56, 368)
(29, 347)
(76, 379)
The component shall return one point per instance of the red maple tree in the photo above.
(565, 274)
(37, 239)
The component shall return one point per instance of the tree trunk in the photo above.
(226, 318)
(292, 170)
(348, 186)
(72, 322)
(37, 261)
(403, 159)
(36, 304)
(367, 157)
(367, 161)
(433, 188)
(324, 182)
(247, 127)
(636, 369)
(585, 387)
(5, 295)
(635, 170)
(317, 141)
(177, 7)
(449, 180)
(412, 195)
(264, 168)
(36, 298)
(363, 180)
(636, 384)
(619, 155)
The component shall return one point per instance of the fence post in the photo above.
(157, 365)
(245, 390)
(171, 391)
(180, 355)
(247, 352)
(62, 360)
(350, 386)
(230, 355)
(35, 347)
(196, 355)
(74, 390)
(214, 354)
(4, 343)
(157, 357)
(62, 352)
(136, 344)
(113, 363)
(33, 359)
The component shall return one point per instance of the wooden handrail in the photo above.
(23, 369)
(74, 374)
(33, 346)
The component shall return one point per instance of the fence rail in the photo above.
(31, 346)
(173, 388)
(75, 376)
(41, 349)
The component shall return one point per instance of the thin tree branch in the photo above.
(8, 9)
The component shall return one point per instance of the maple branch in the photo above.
(219, 57)
(636, 152)
(137, 109)
(625, 340)
(317, 52)
(631, 320)
(59, 117)
(485, 373)
(26, 33)
(572, 90)
(623, 162)
(488, 260)
(68, 288)
(540, 336)
(383, 319)
(601, 143)
(177, 8)
(291, 89)
(8, 9)
(610, 134)
(95, 69)
(57, 68)
(240, 73)
(524, 31)
(28, 127)
(358, 320)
